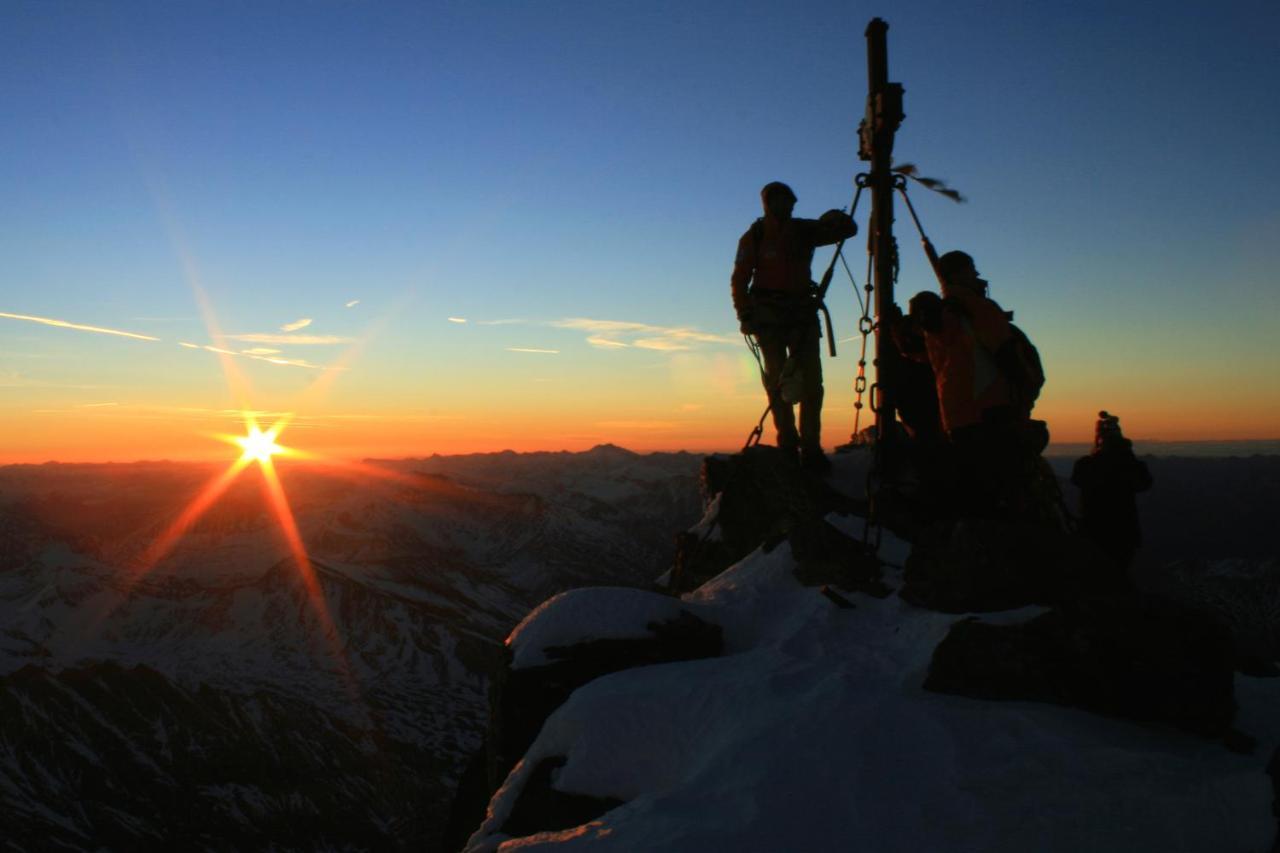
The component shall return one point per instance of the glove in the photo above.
(839, 223)
(745, 323)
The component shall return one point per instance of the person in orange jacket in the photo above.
(963, 330)
(773, 296)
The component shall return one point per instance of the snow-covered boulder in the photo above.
(588, 615)
(571, 640)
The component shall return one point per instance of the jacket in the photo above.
(776, 257)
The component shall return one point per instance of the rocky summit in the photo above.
(966, 686)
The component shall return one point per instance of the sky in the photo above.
(455, 227)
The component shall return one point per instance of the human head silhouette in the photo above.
(959, 270)
(778, 200)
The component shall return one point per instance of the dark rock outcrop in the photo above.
(826, 556)
(764, 498)
(1150, 662)
(1241, 595)
(982, 565)
(1273, 770)
(522, 699)
(541, 808)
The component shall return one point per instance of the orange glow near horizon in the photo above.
(101, 435)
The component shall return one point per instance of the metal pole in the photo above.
(876, 134)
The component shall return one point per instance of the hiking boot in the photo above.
(790, 453)
(814, 460)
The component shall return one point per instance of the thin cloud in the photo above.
(509, 321)
(270, 359)
(353, 303)
(291, 362)
(198, 414)
(457, 319)
(622, 333)
(301, 340)
(63, 324)
(661, 344)
(14, 379)
(259, 351)
(300, 323)
(534, 350)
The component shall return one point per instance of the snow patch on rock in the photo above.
(583, 615)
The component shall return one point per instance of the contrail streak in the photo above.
(63, 324)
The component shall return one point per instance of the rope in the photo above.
(753, 439)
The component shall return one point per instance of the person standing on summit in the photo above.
(774, 297)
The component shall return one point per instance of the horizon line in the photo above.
(196, 460)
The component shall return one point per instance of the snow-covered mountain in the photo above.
(214, 684)
(206, 703)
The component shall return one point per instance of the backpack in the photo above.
(1019, 362)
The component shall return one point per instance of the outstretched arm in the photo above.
(832, 227)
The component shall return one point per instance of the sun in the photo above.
(259, 445)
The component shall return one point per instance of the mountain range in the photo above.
(218, 697)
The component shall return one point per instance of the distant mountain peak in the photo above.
(609, 449)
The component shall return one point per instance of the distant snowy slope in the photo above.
(421, 575)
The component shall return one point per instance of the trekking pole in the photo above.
(900, 184)
(859, 181)
(821, 295)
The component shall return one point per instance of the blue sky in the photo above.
(551, 160)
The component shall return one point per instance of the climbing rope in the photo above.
(758, 431)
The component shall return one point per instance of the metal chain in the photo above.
(865, 326)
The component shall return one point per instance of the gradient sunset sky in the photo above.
(455, 227)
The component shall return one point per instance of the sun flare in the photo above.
(259, 445)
